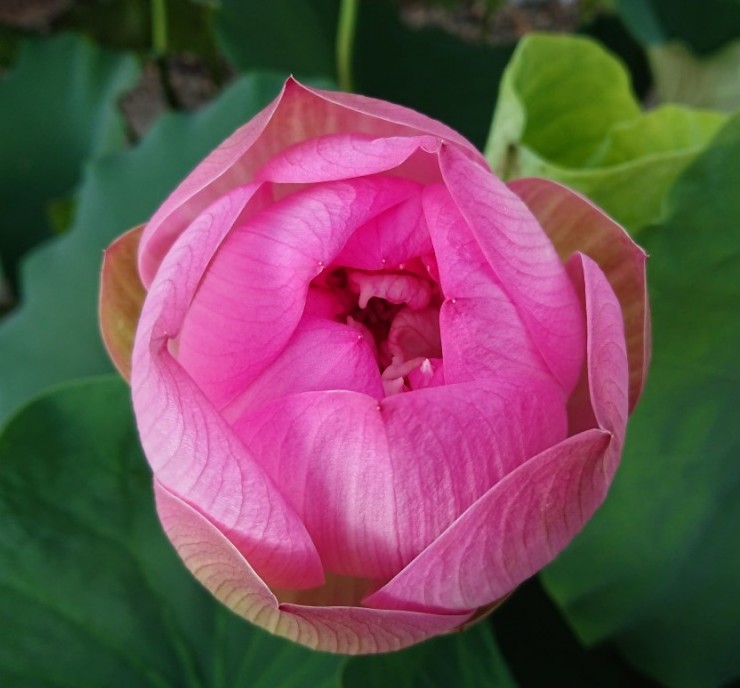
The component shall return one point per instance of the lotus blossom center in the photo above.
(396, 311)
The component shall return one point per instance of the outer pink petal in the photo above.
(573, 223)
(321, 355)
(297, 114)
(228, 575)
(192, 451)
(528, 517)
(524, 261)
(376, 482)
(607, 369)
(121, 299)
(511, 532)
(254, 293)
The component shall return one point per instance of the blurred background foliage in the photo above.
(106, 104)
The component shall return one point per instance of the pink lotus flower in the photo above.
(378, 388)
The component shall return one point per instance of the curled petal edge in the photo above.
(121, 299)
(574, 224)
(218, 565)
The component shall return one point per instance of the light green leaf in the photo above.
(566, 112)
(54, 335)
(463, 660)
(58, 107)
(658, 566)
(91, 592)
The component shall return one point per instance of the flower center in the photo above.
(396, 311)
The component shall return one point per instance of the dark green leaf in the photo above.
(427, 69)
(291, 35)
(91, 593)
(657, 568)
(705, 26)
(57, 109)
(542, 651)
(464, 660)
(54, 335)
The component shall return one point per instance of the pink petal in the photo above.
(511, 532)
(414, 334)
(482, 333)
(523, 260)
(392, 238)
(394, 287)
(573, 223)
(121, 298)
(329, 454)
(528, 517)
(376, 482)
(298, 114)
(485, 337)
(229, 576)
(429, 374)
(326, 303)
(321, 355)
(192, 451)
(253, 295)
(607, 378)
(343, 156)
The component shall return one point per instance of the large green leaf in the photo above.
(91, 593)
(463, 660)
(657, 568)
(57, 109)
(54, 335)
(566, 111)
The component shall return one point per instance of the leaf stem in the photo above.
(345, 42)
(159, 27)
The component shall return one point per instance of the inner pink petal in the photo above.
(430, 373)
(482, 332)
(391, 286)
(328, 453)
(254, 293)
(392, 238)
(415, 334)
(321, 355)
(524, 262)
(343, 156)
